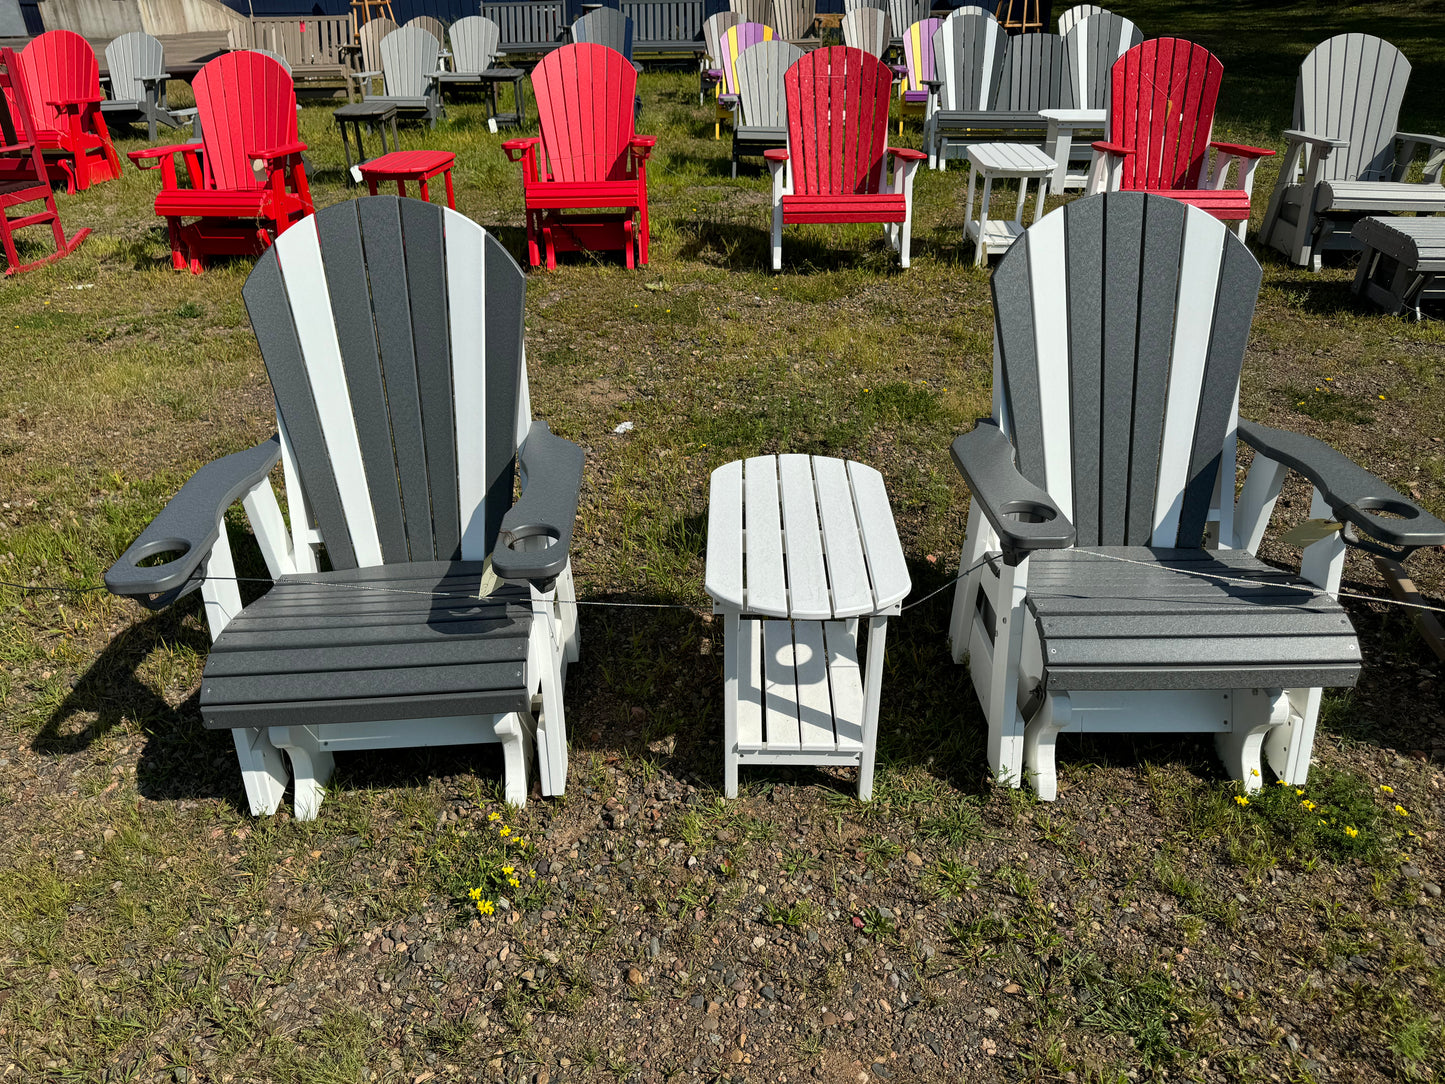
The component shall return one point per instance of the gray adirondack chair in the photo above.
(965, 10)
(1091, 46)
(866, 28)
(432, 25)
(392, 333)
(793, 19)
(1032, 77)
(1103, 486)
(135, 64)
(753, 11)
(710, 71)
(904, 13)
(850, 6)
(763, 123)
(368, 56)
(409, 73)
(1342, 162)
(609, 27)
(476, 44)
(1077, 14)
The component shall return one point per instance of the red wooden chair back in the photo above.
(585, 101)
(837, 121)
(247, 103)
(1161, 104)
(59, 65)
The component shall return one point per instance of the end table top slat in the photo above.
(842, 541)
(807, 575)
(889, 571)
(766, 588)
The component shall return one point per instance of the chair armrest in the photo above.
(933, 84)
(1324, 143)
(777, 154)
(985, 458)
(547, 508)
(1242, 150)
(283, 151)
(1353, 493)
(1416, 137)
(369, 75)
(159, 152)
(517, 149)
(905, 153)
(1105, 147)
(188, 526)
(641, 146)
(77, 100)
(161, 78)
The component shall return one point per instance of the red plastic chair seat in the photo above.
(242, 203)
(1227, 204)
(879, 207)
(563, 194)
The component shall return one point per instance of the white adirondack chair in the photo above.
(866, 28)
(710, 71)
(1077, 14)
(136, 76)
(1341, 161)
(392, 333)
(476, 43)
(1120, 325)
(762, 102)
(409, 73)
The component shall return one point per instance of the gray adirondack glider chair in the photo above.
(793, 19)
(476, 44)
(1091, 46)
(1341, 162)
(392, 333)
(866, 28)
(752, 11)
(409, 73)
(368, 54)
(763, 123)
(432, 25)
(1032, 77)
(710, 71)
(1103, 500)
(609, 27)
(1077, 14)
(136, 75)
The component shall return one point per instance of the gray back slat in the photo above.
(760, 71)
(659, 23)
(713, 30)
(431, 24)
(794, 18)
(130, 58)
(866, 28)
(506, 298)
(1351, 87)
(526, 25)
(605, 26)
(1102, 39)
(1034, 75)
(904, 13)
(1123, 268)
(369, 38)
(754, 11)
(475, 41)
(1077, 14)
(968, 55)
(408, 56)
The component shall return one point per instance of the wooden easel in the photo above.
(363, 11)
(1016, 16)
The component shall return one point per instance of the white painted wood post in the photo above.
(311, 767)
(263, 770)
(1255, 713)
(219, 590)
(778, 188)
(732, 629)
(872, 691)
(1005, 725)
(1040, 735)
(1256, 502)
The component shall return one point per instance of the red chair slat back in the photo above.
(837, 121)
(1161, 104)
(247, 103)
(16, 124)
(585, 100)
(58, 65)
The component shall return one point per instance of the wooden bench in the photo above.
(314, 45)
(528, 26)
(1401, 261)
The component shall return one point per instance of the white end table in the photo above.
(997, 160)
(1063, 124)
(808, 542)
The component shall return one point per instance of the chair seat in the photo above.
(542, 195)
(1228, 204)
(974, 120)
(1380, 196)
(915, 97)
(121, 105)
(761, 136)
(221, 203)
(873, 207)
(1106, 624)
(400, 101)
(408, 641)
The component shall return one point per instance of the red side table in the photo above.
(403, 166)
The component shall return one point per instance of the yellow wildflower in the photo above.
(509, 870)
(475, 893)
(1299, 790)
(514, 882)
(1351, 831)
(533, 873)
(1402, 810)
(1253, 771)
(1309, 805)
(504, 831)
(494, 816)
(1387, 788)
(486, 907)
(1241, 800)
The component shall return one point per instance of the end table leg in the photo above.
(401, 188)
(1043, 195)
(731, 631)
(872, 688)
(980, 256)
(451, 196)
(425, 195)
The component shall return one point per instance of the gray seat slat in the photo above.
(393, 681)
(1199, 676)
(299, 631)
(322, 658)
(1279, 621)
(312, 713)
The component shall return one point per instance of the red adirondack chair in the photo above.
(587, 158)
(24, 178)
(1161, 113)
(247, 112)
(62, 81)
(837, 149)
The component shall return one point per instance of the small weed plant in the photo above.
(478, 866)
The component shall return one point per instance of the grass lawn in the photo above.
(1143, 924)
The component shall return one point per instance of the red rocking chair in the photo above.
(247, 112)
(62, 81)
(587, 158)
(24, 178)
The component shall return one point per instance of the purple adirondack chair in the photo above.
(733, 42)
(918, 55)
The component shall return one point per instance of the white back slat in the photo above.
(842, 540)
(780, 693)
(767, 593)
(466, 283)
(815, 702)
(891, 582)
(725, 536)
(807, 574)
(1050, 294)
(299, 252)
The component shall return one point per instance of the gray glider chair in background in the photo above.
(1110, 582)
(611, 28)
(763, 104)
(135, 65)
(392, 333)
(409, 74)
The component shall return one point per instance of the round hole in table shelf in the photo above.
(1029, 512)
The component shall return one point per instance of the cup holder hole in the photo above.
(1028, 512)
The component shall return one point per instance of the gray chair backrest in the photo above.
(431, 24)
(402, 409)
(1092, 46)
(369, 38)
(965, 10)
(1350, 87)
(1035, 75)
(760, 82)
(753, 11)
(1077, 14)
(408, 56)
(605, 26)
(793, 18)
(866, 28)
(968, 55)
(475, 43)
(904, 13)
(715, 27)
(277, 57)
(1133, 308)
(129, 58)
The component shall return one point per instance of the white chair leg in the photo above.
(732, 629)
(263, 770)
(872, 683)
(1289, 748)
(517, 739)
(311, 767)
(977, 537)
(778, 236)
(1005, 724)
(567, 614)
(1256, 713)
(552, 719)
(1039, 738)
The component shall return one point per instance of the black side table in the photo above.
(489, 79)
(374, 115)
